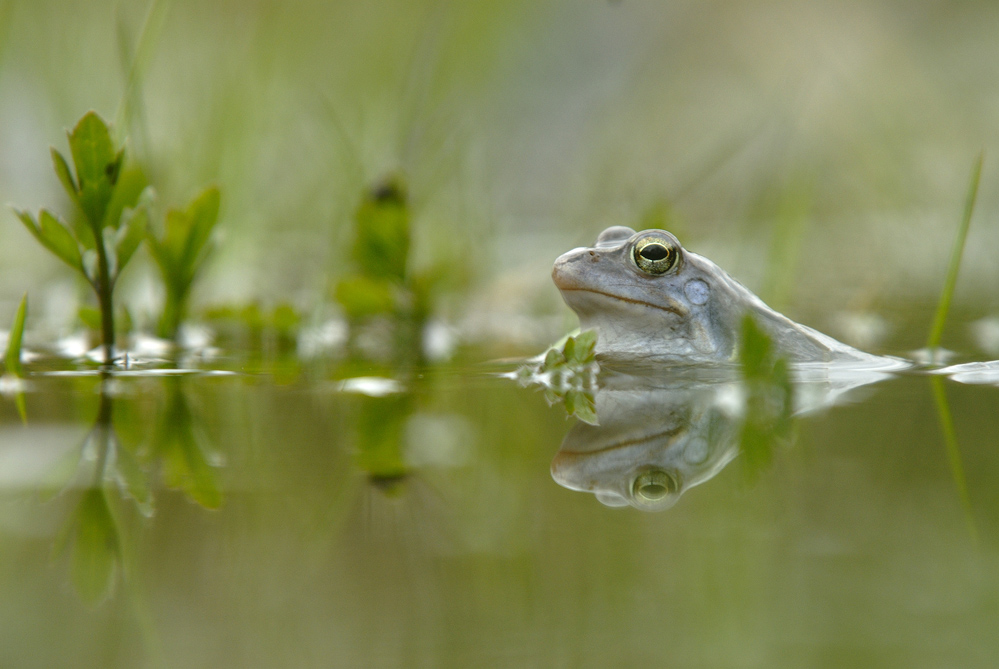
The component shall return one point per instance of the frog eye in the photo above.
(655, 255)
(654, 486)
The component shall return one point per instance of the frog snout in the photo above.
(570, 267)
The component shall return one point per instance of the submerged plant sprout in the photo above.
(299, 405)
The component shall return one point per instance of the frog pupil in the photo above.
(654, 252)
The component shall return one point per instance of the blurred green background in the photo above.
(820, 152)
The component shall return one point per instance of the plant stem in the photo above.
(104, 288)
(174, 308)
(936, 334)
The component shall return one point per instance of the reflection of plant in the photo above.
(112, 202)
(112, 471)
(769, 396)
(380, 427)
(180, 253)
(176, 446)
(91, 533)
(568, 373)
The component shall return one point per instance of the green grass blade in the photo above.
(936, 333)
(953, 453)
(12, 360)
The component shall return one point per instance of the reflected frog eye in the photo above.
(653, 486)
(655, 255)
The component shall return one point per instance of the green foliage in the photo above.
(769, 397)
(381, 287)
(114, 204)
(363, 296)
(378, 283)
(180, 252)
(251, 326)
(381, 242)
(568, 373)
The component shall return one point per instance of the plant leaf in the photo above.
(57, 238)
(130, 191)
(202, 214)
(12, 360)
(130, 234)
(97, 166)
(65, 176)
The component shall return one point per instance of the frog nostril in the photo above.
(594, 256)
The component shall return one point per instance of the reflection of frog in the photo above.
(651, 444)
(648, 296)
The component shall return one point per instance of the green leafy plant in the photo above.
(382, 290)
(568, 373)
(110, 224)
(180, 253)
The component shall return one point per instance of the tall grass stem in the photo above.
(943, 307)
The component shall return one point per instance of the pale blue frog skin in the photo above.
(649, 297)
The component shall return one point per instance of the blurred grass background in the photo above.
(818, 152)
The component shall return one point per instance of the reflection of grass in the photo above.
(953, 452)
(936, 333)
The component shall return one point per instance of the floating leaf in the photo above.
(97, 165)
(553, 358)
(579, 350)
(582, 405)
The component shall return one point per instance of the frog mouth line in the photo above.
(678, 310)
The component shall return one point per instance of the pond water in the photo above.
(271, 516)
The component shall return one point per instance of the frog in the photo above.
(648, 297)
